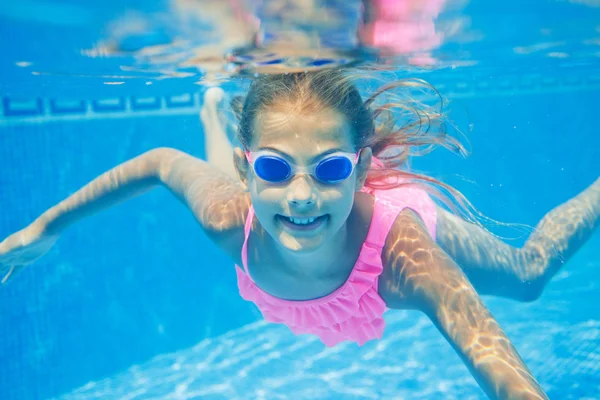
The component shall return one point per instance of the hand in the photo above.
(24, 247)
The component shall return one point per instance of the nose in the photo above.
(301, 193)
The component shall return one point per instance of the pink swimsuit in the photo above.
(355, 310)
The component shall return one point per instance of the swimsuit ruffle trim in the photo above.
(353, 312)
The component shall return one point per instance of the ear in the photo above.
(241, 166)
(363, 166)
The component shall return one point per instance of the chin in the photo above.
(300, 246)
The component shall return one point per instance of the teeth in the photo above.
(302, 221)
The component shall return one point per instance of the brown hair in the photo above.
(396, 121)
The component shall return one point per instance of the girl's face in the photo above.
(286, 210)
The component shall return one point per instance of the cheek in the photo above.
(264, 198)
(339, 198)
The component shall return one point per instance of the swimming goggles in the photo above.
(332, 168)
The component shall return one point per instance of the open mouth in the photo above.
(302, 224)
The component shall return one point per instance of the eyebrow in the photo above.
(325, 153)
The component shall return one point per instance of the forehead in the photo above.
(302, 133)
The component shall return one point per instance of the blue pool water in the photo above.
(136, 303)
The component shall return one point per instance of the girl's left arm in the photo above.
(418, 274)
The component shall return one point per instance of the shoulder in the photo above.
(408, 256)
(224, 221)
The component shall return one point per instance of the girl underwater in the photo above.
(328, 232)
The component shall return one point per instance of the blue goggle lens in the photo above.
(334, 169)
(272, 169)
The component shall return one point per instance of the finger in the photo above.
(14, 271)
(8, 274)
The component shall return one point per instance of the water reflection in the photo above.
(217, 39)
(206, 40)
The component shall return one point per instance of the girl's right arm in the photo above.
(217, 201)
